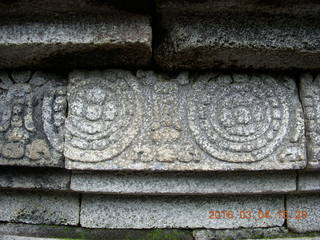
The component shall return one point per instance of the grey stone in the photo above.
(230, 234)
(183, 183)
(310, 98)
(110, 39)
(39, 208)
(68, 232)
(121, 121)
(177, 212)
(239, 40)
(296, 7)
(32, 118)
(303, 212)
(60, 7)
(33, 178)
(12, 237)
(309, 181)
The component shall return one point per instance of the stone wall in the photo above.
(159, 119)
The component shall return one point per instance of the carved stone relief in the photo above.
(105, 115)
(310, 97)
(32, 119)
(149, 121)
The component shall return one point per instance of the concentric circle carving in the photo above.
(104, 117)
(238, 119)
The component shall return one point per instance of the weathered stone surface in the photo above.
(39, 208)
(183, 183)
(235, 234)
(176, 212)
(193, 7)
(48, 7)
(68, 232)
(296, 206)
(309, 181)
(113, 39)
(33, 107)
(12, 237)
(118, 120)
(34, 178)
(238, 40)
(310, 98)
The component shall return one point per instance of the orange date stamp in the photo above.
(260, 214)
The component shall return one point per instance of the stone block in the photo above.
(183, 183)
(33, 108)
(243, 39)
(63, 42)
(309, 181)
(177, 212)
(235, 234)
(145, 121)
(34, 178)
(303, 213)
(39, 208)
(72, 232)
(310, 98)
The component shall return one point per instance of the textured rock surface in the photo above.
(309, 181)
(12, 237)
(39, 208)
(31, 178)
(206, 122)
(310, 97)
(33, 107)
(183, 183)
(176, 212)
(113, 39)
(235, 234)
(238, 39)
(68, 232)
(297, 221)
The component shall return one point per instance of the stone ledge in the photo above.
(183, 183)
(238, 40)
(116, 39)
(309, 182)
(39, 208)
(310, 204)
(69, 232)
(116, 212)
(34, 178)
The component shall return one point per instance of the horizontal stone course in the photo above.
(183, 183)
(34, 178)
(73, 232)
(198, 122)
(303, 212)
(176, 212)
(309, 181)
(244, 39)
(107, 40)
(39, 208)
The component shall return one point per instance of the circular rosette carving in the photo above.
(105, 115)
(238, 119)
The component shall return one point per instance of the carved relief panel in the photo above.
(148, 121)
(310, 97)
(33, 108)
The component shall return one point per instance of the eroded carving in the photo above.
(23, 136)
(310, 97)
(105, 115)
(239, 118)
(165, 142)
